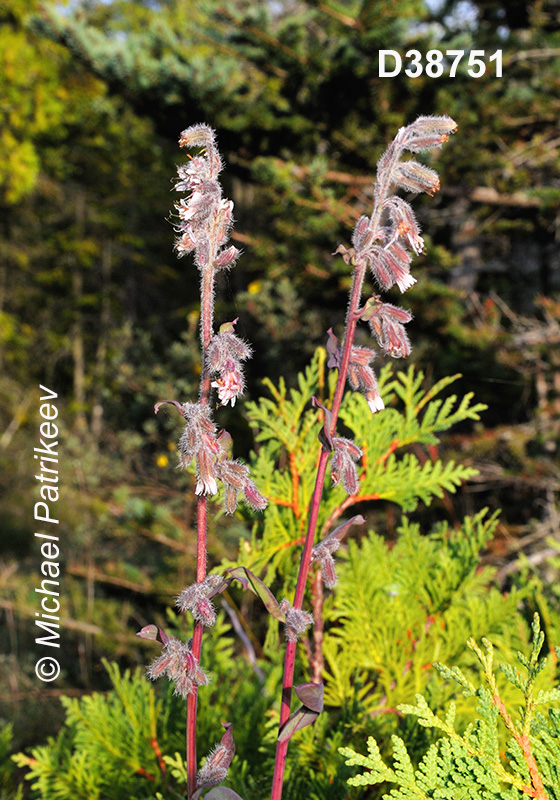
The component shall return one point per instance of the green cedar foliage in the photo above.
(471, 763)
(397, 610)
(106, 749)
(128, 741)
(287, 431)
(8, 789)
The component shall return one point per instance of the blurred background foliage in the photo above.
(94, 304)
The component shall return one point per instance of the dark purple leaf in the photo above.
(298, 720)
(340, 532)
(311, 695)
(222, 793)
(153, 633)
(250, 581)
(325, 436)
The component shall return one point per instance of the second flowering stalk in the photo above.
(381, 243)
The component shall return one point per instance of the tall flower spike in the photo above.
(205, 217)
(383, 249)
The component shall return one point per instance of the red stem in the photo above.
(291, 647)
(381, 191)
(206, 330)
(192, 699)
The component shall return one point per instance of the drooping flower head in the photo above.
(225, 355)
(178, 662)
(196, 599)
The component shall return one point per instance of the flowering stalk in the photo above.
(384, 248)
(205, 218)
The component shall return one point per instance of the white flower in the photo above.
(206, 485)
(229, 387)
(375, 402)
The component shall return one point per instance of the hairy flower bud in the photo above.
(390, 265)
(252, 495)
(415, 177)
(297, 620)
(328, 571)
(195, 598)
(387, 324)
(235, 477)
(361, 376)
(205, 473)
(218, 760)
(200, 134)
(343, 468)
(226, 257)
(199, 442)
(427, 125)
(323, 550)
(362, 236)
(179, 664)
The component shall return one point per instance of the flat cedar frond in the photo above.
(279, 418)
(286, 463)
(398, 610)
(113, 731)
(471, 761)
(438, 414)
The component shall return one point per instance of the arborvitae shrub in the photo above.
(469, 761)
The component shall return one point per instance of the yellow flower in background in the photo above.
(254, 287)
(162, 461)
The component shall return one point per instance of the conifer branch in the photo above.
(474, 758)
